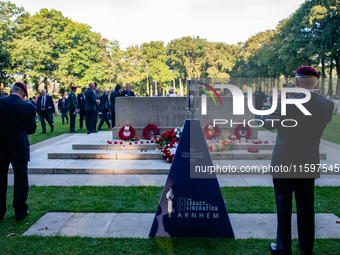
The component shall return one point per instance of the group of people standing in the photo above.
(87, 104)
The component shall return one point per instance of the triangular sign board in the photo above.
(191, 204)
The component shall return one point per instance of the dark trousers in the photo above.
(64, 115)
(96, 117)
(43, 115)
(113, 119)
(72, 120)
(20, 187)
(304, 196)
(82, 115)
(104, 118)
(90, 120)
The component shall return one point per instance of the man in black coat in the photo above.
(81, 107)
(113, 95)
(260, 99)
(19, 117)
(297, 147)
(127, 92)
(63, 108)
(91, 108)
(73, 108)
(104, 107)
(45, 108)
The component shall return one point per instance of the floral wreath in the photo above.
(210, 133)
(150, 127)
(237, 131)
(168, 151)
(127, 132)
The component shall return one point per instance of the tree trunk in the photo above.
(174, 83)
(337, 67)
(330, 84)
(151, 94)
(163, 92)
(180, 87)
(147, 85)
(323, 76)
(1, 87)
(156, 90)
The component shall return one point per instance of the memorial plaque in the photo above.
(191, 204)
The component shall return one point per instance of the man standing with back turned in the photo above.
(91, 108)
(14, 147)
(73, 108)
(298, 146)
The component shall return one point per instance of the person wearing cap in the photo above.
(297, 146)
(63, 108)
(15, 147)
(104, 107)
(172, 93)
(81, 107)
(113, 95)
(127, 92)
(73, 108)
(45, 108)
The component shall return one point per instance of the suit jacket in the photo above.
(104, 103)
(299, 145)
(49, 105)
(60, 105)
(20, 122)
(113, 96)
(90, 101)
(72, 102)
(124, 92)
(81, 102)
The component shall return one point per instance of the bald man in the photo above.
(104, 107)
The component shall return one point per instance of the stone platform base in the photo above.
(225, 132)
(137, 225)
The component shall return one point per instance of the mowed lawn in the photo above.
(59, 129)
(145, 200)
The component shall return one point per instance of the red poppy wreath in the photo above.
(238, 134)
(127, 132)
(148, 128)
(210, 131)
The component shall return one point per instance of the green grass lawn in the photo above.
(331, 133)
(59, 129)
(145, 199)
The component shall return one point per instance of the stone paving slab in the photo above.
(157, 180)
(137, 225)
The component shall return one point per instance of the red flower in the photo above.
(166, 137)
(136, 142)
(141, 142)
(121, 143)
(151, 141)
(173, 139)
(130, 143)
(147, 141)
(173, 134)
(163, 135)
(160, 140)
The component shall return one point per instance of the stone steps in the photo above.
(153, 146)
(153, 154)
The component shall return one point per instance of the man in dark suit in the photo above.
(81, 107)
(97, 106)
(113, 95)
(298, 146)
(14, 147)
(73, 108)
(91, 108)
(127, 92)
(104, 107)
(45, 108)
(63, 108)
